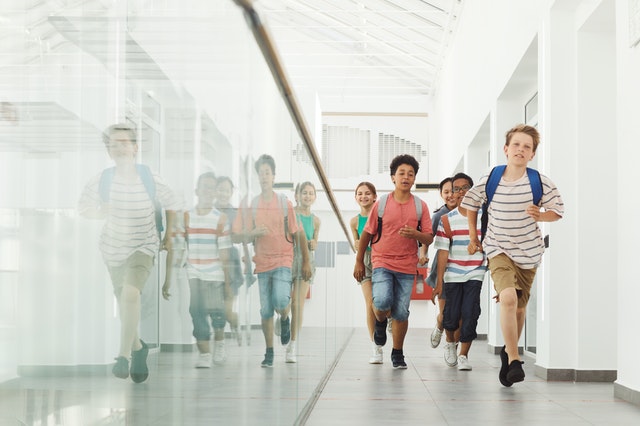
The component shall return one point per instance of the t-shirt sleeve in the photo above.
(476, 196)
(166, 195)
(90, 198)
(551, 198)
(371, 227)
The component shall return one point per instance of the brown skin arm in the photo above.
(358, 269)
(443, 257)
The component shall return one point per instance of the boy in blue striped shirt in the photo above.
(460, 276)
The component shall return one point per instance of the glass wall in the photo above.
(190, 78)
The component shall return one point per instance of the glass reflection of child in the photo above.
(224, 191)
(129, 240)
(209, 240)
(305, 194)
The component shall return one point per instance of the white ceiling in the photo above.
(362, 48)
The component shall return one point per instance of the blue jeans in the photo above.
(275, 291)
(392, 291)
(207, 302)
(463, 301)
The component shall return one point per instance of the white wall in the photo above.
(628, 172)
(587, 90)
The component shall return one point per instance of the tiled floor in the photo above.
(430, 393)
(356, 393)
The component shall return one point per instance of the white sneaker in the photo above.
(204, 360)
(291, 355)
(451, 354)
(436, 337)
(376, 357)
(276, 325)
(219, 354)
(463, 363)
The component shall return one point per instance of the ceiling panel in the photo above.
(379, 47)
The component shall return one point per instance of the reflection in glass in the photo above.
(191, 81)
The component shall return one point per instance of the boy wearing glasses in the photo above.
(460, 276)
(513, 242)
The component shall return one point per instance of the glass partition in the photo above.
(191, 80)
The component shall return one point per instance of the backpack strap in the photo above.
(447, 226)
(536, 185)
(490, 189)
(104, 186)
(150, 185)
(382, 203)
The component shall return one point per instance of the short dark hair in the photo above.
(403, 159)
(462, 176)
(266, 159)
(221, 179)
(119, 127)
(206, 175)
(443, 182)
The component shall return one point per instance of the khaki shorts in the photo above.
(506, 274)
(368, 270)
(134, 272)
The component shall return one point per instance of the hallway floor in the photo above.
(356, 393)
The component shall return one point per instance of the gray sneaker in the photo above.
(121, 368)
(436, 337)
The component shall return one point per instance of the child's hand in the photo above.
(165, 289)
(474, 246)
(422, 260)
(408, 232)
(534, 212)
(313, 244)
(259, 231)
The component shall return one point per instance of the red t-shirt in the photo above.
(271, 250)
(393, 251)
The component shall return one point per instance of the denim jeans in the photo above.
(463, 301)
(206, 301)
(275, 291)
(392, 291)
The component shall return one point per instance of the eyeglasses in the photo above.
(457, 189)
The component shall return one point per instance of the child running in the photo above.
(224, 191)
(305, 195)
(209, 241)
(365, 197)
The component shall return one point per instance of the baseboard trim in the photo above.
(627, 394)
(573, 375)
(40, 371)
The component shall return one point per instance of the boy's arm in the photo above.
(441, 266)
(542, 216)
(422, 255)
(474, 242)
(171, 227)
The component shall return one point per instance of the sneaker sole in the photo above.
(266, 365)
(399, 367)
(375, 361)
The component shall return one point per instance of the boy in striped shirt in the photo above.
(209, 240)
(513, 242)
(460, 275)
(129, 240)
